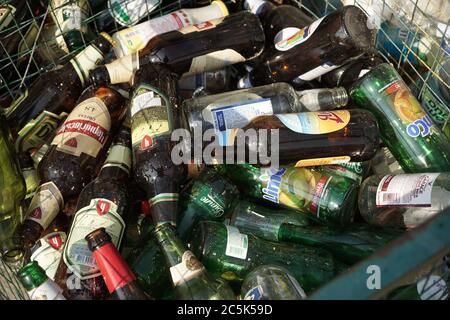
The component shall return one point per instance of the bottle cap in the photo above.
(97, 238)
(109, 38)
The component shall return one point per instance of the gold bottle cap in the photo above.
(108, 37)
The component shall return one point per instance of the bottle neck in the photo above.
(170, 244)
(113, 267)
(322, 99)
(117, 164)
(216, 9)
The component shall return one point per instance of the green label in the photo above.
(438, 112)
(203, 196)
(38, 131)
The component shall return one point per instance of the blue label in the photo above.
(254, 294)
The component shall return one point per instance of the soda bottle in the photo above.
(405, 128)
(403, 200)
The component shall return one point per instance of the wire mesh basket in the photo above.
(414, 37)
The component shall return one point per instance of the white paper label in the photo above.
(317, 72)
(144, 101)
(100, 213)
(119, 156)
(407, 190)
(49, 290)
(45, 205)
(213, 61)
(85, 61)
(237, 243)
(189, 268)
(287, 39)
(122, 70)
(48, 252)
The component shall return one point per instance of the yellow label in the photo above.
(322, 161)
(316, 122)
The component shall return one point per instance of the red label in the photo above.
(55, 241)
(392, 88)
(72, 143)
(102, 207)
(114, 269)
(146, 142)
(318, 194)
(178, 20)
(330, 116)
(36, 214)
(145, 208)
(386, 182)
(86, 127)
(204, 25)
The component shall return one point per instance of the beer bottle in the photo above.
(409, 133)
(54, 94)
(134, 38)
(153, 118)
(71, 161)
(271, 282)
(235, 109)
(276, 18)
(37, 284)
(308, 138)
(103, 202)
(303, 54)
(202, 47)
(327, 198)
(347, 74)
(356, 171)
(403, 200)
(189, 277)
(12, 192)
(117, 275)
(349, 244)
(232, 255)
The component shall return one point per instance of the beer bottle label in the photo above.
(122, 70)
(49, 290)
(207, 199)
(237, 243)
(45, 205)
(119, 156)
(47, 252)
(130, 12)
(189, 268)
(316, 72)
(255, 293)
(85, 61)
(406, 190)
(296, 188)
(213, 61)
(235, 112)
(409, 111)
(290, 37)
(85, 129)
(99, 213)
(7, 13)
(37, 132)
(149, 117)
(316, 122)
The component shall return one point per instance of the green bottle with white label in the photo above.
(232, 255)
(404, 200)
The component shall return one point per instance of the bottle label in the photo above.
(316, 72)
(45, 205)
(297, 188)
(122, 70)
(432, 287)
(85, 129)
(225, 116)
(149, 117)
(322, 161)
(201, 26)
(237, 243)
(316, 122)
(213, 61)
(408, 109)
(37, 132)
(99, 213)
(7, 13)
(189, 268)
(119, 156)
(85, 61)
(433, 106)
(212, 204)
(406, 190)
(69, 15)
(135, 38)
(286, 39)
(47, 252)
(128, 13)
(255, 293)
(49, 290)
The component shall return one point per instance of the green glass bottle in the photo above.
(229, 254)
(354, 170)
(349, 244)
(325, 197)
(12, 192)
(409, 133)
(209, 196)
(38, 285)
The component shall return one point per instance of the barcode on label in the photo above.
(392, 198)
(237, 243)
(85, 260)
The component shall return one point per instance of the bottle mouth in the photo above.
(340, 96)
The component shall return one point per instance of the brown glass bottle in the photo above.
(70, 162)
(119, 279)
(316, 138)
(53, 95)
(303, 55)
(203, 47)
(154, 116)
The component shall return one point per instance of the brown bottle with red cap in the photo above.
(119, 278)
